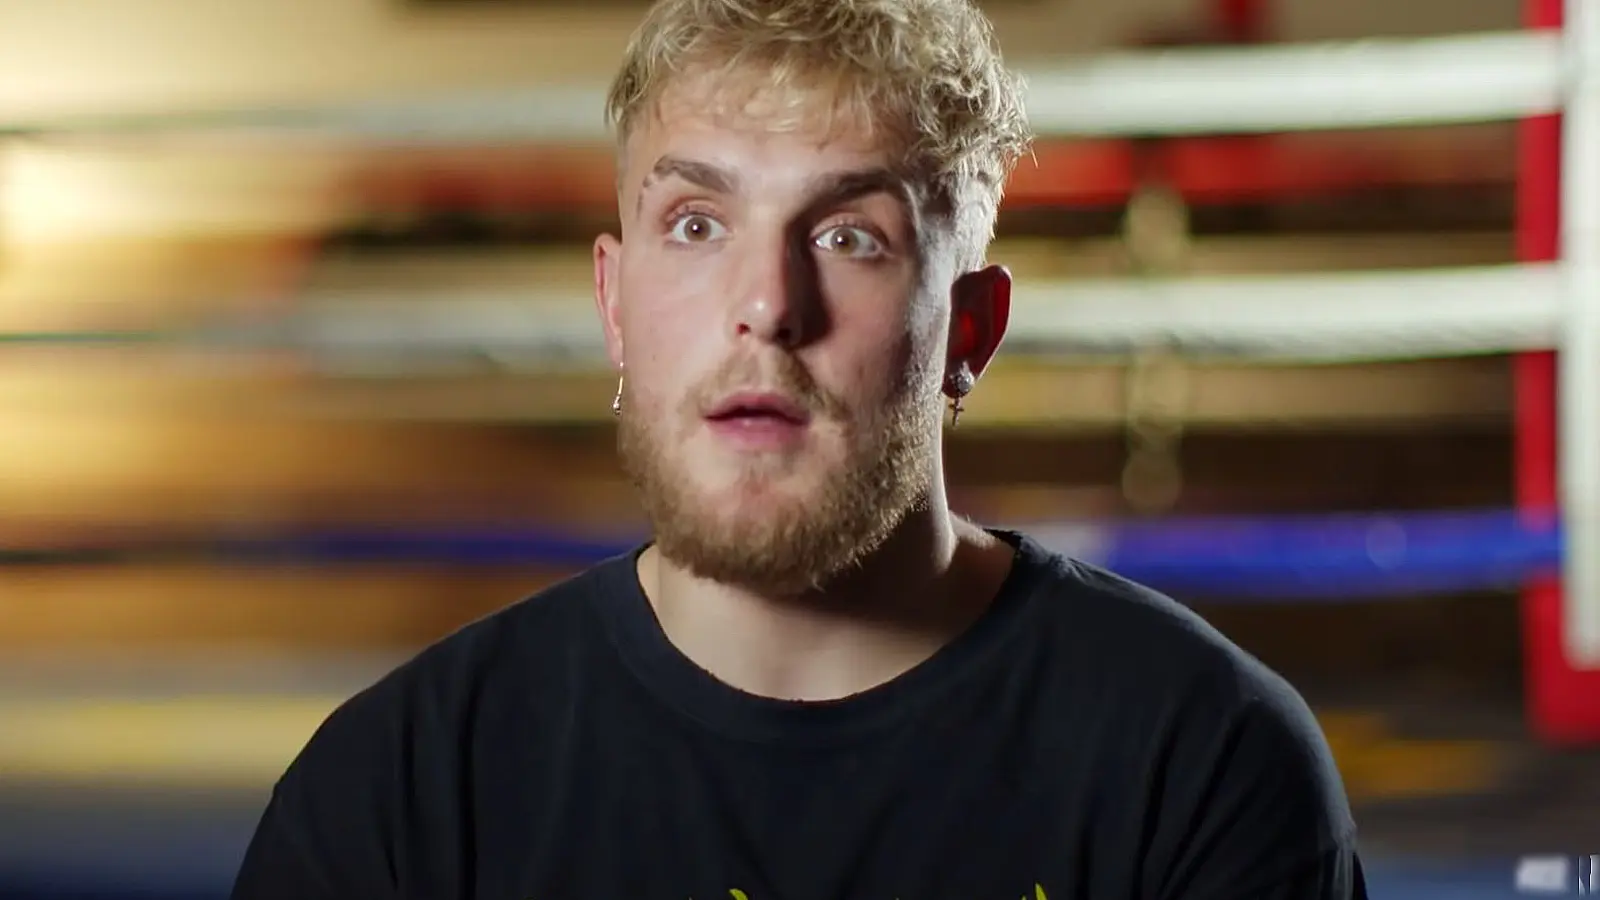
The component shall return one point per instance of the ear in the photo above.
(980, 308)
(607, 302)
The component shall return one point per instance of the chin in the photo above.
(774, 521)
(765, 476)
(753, 511)
(753, 502)
(782, 549)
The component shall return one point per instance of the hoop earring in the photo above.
(616, 402)
(958, 385)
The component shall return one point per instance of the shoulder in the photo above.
(1187, 701)
(473, 672)
(1143, 638)
(352, 813)
(1224, 772)
(543, 631)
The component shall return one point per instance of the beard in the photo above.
(775, 543)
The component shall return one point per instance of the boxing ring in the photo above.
(1545, 309)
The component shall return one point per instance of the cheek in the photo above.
(665, 312)
(870, 372)
(668, 335)
(891, 345)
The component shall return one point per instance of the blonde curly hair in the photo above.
(928, 72)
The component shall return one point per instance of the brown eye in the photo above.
(696, 228)
(849, 241)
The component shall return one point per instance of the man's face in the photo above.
(782, 329)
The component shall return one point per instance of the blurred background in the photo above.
(298, 373)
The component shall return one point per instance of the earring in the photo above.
(616, 402)
(958, 385)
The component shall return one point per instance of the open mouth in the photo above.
(759, 408)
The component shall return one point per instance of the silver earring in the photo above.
(958, 385)
(616, 402)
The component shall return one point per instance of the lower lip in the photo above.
(758, 432)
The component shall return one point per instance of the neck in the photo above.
(927, 583)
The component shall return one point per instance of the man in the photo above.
(816, 682)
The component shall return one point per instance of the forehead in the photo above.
(773, 131)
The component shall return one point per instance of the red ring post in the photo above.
(1563, 703)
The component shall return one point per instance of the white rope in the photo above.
(1345, 317)
(1373, 83)
(1342, 317)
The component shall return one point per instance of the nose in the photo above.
(775, 294)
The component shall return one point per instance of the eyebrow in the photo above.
(710, 176)
(827, 189)
(840, 187)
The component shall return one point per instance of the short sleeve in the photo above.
(328, 830)
(1252, 808)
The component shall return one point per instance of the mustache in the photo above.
(783, 375)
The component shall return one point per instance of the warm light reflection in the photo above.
(61, 190)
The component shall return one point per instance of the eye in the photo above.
(697, 228)
(848, 240)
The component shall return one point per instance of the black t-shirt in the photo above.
(1086, 738)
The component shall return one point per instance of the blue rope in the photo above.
(1305, 557)
(1345, 556)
